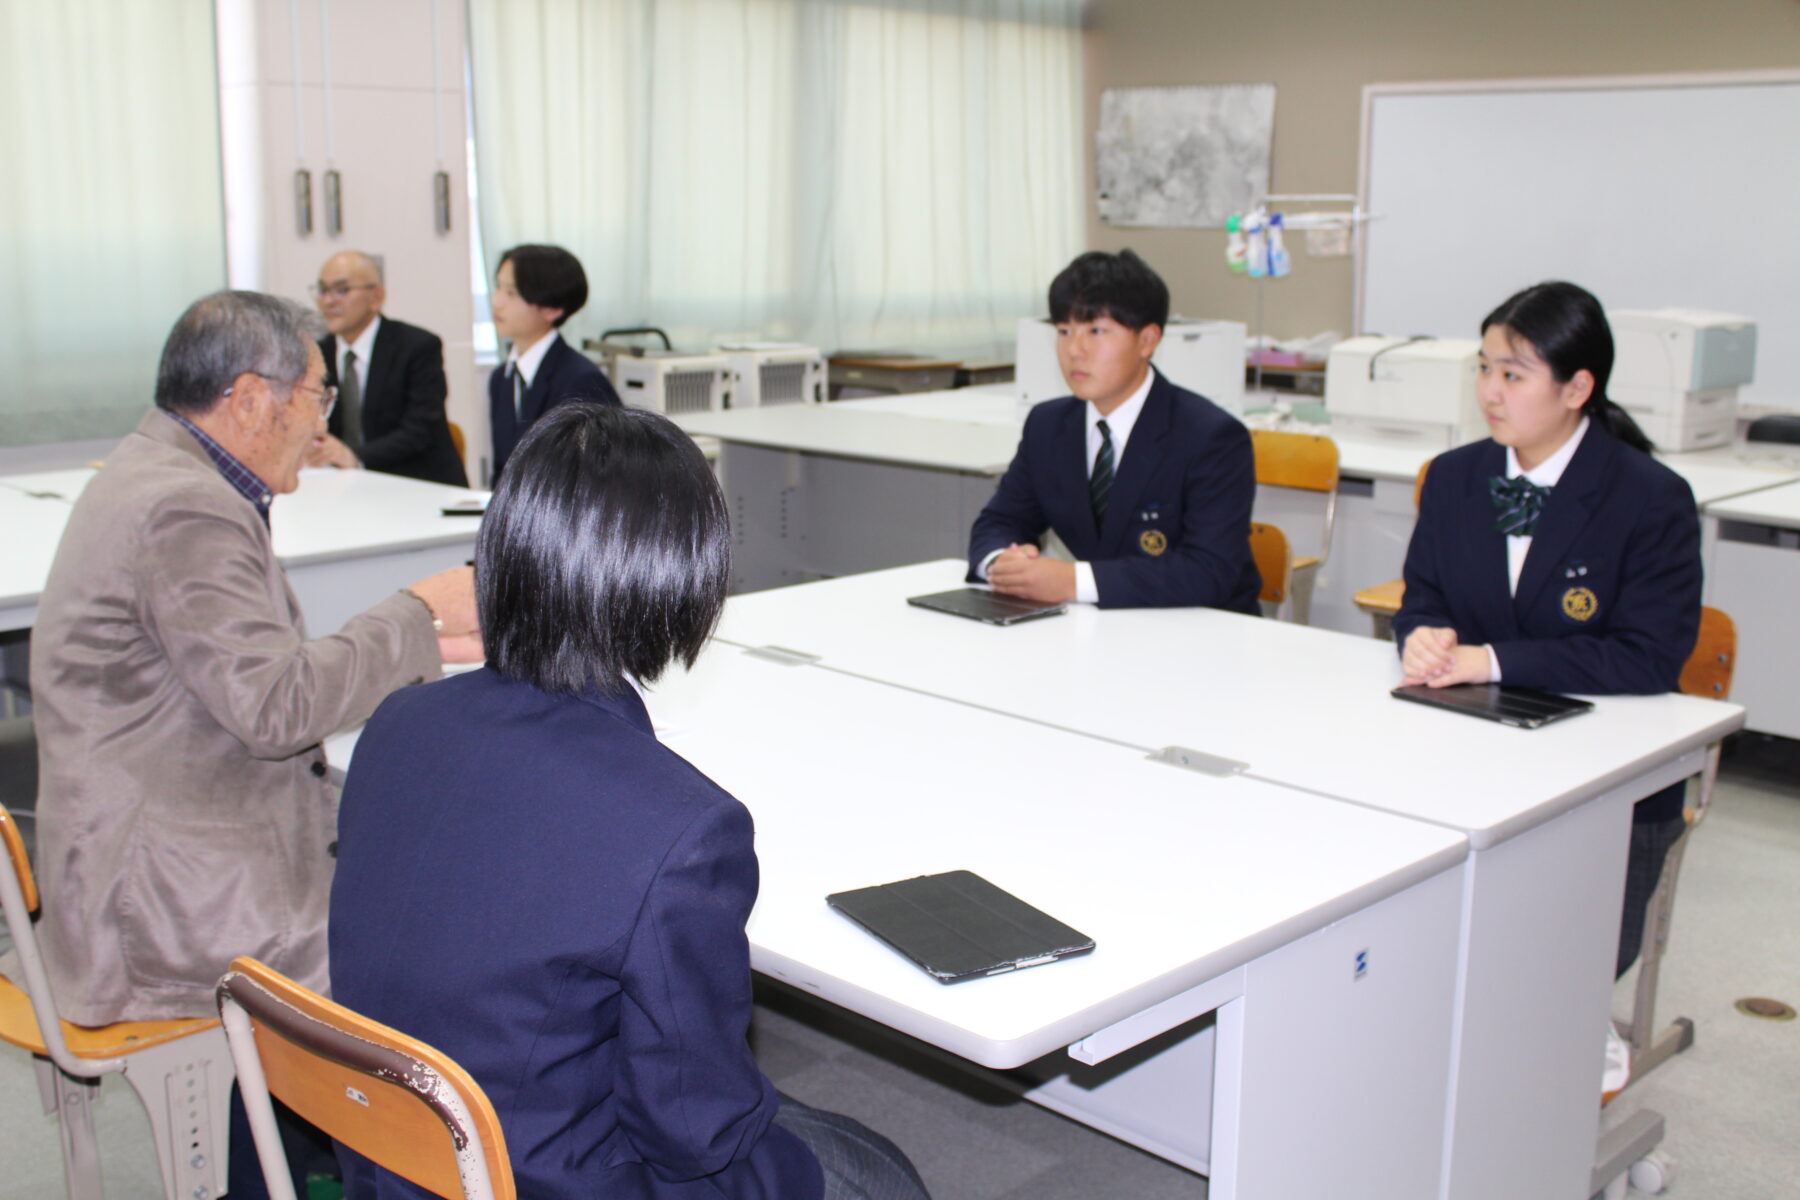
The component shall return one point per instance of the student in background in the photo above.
(536, 289)
(1148, 485)
(1558, 554)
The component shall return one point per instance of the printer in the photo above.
(1677, 372)
(1406, 391)
(1202, 356)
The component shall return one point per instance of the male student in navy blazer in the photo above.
(1149, 485)
(536, 289)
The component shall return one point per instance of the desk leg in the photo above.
(1541, 920)
(1326, 1079)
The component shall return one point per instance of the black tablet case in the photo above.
(992, 608)
(1524, 708)
(958, 926)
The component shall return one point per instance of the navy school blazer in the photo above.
(539, 888)
(1177, 521)
(1609, 597)
(565, 374)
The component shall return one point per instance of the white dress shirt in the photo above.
(1545, 474)
(527, 364)
(1120, 422)
(364, 345)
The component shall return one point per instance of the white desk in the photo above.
(1224, 896)
(347, 538)
(1546, 811)
(821, 490)
(1753, 573)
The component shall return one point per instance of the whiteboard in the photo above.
(1649, 191)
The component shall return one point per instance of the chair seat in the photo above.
(1304, 561)
(19, 1026)
(1382, 598)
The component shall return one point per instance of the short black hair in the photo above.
(549, 277)
(226, 334)
(605, 552)
(1119, 286)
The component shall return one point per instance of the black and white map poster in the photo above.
(1183, 157)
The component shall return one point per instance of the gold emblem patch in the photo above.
(1579, 604)
(1153, 542)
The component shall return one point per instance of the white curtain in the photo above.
(877, 174)
(111, 218)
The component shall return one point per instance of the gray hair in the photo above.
(226, 334)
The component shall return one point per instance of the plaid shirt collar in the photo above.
(236, 473)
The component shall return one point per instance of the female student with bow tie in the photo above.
(1558, 554)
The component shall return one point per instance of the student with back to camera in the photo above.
(1558, 554)
(531, 882)
(1149, 485)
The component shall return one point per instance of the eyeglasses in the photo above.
(327, 398)
(337, 291)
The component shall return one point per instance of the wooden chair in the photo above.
(1382, 601)
(456, 438)
(1707, 672)
(1304, 463)
(1275, 562)
(390, 1098)
(180, 1069)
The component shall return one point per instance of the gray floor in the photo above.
(1732, 1102)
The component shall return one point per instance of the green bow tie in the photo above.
(1521, 503)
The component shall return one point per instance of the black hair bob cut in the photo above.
(547, 276)
(605, 552)
(1120, 286)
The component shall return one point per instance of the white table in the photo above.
(821, 490)
(1546, 811)
(346, 538)
(1753, 573)
(1230, 897)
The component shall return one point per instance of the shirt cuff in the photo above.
(1493, 665)
(1086, 590)
(981, 568)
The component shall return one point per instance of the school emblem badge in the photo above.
(1579, 604)
(1153, 542)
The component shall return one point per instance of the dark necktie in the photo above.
(1520, 502)
(1100, 482)
(518, 393)
(350, 403)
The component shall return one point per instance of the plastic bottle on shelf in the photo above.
(1280, 261)
(1235, 246)
(1256, 257)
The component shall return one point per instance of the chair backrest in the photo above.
(1269, 547)
(1707, 671)
(390, 1098)
(21, 865)
(1419, 483)
(456, 438)
(1295, 460)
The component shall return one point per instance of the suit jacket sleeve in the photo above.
(1423, 603)
(692, 1097)
(417, 378)
(1654, 621)
(1012, 514)
(205, 590)
(1206, 565)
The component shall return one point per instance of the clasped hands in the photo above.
(1433, 657)
(328, 451)
(1023, 571)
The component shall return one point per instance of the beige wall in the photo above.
(1320, 53)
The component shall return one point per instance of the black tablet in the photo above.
(958, 926)
(1526, 708)
(979, 604)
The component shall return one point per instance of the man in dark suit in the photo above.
(390, 381)
(1148, 485)
(536, 289)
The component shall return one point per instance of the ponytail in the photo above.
(1567, 327)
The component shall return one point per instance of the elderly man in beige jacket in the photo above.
(185, 815)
